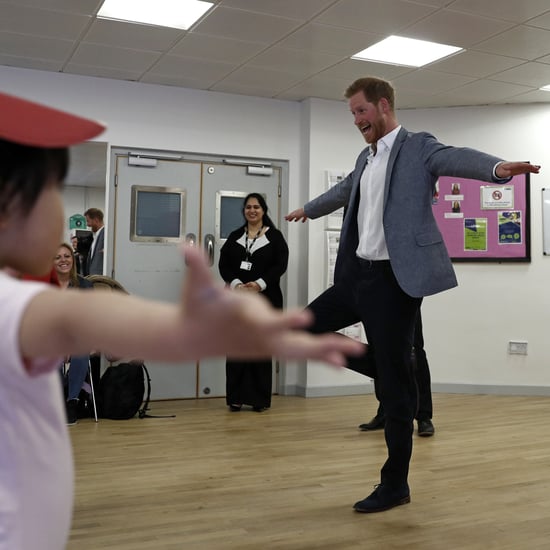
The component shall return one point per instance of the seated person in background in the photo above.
(65, 268)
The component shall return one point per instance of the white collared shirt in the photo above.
(372, 241)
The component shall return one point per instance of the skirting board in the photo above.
(332, 391)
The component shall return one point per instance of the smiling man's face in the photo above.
(371, 119)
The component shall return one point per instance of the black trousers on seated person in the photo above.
(370, 294)
(422, 376)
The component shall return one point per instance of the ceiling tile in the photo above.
(324, 38)
(316, 86)
(129, 35)
(301, 62)
(179, 80)
(384, 17)
(192, 68)
(293, 9)
(21, 45)
(237, 88)
(242, 25)
(39, 22)
(480, 92)
(509, 10)
(258, 77)
(31, 63)
(455, 28)
(543, 22)
(294, 49)
(215, 48)
(536, 96)
(475, 64)
(531, 74)
(86, 7)
(425, 80)
(102, 71)
(96, 55)
(523, 42)
(352, 69)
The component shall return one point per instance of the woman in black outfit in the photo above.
(253, 259)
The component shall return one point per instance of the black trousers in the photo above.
(422, 376)
(371, 294)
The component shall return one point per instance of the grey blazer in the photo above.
(95, 262)
(418, 255)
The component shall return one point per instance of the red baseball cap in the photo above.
(36, 125)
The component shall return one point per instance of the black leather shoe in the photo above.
(377, 423)
(383, 498)
(425, 428)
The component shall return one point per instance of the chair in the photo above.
(102, 281)
(66, 367)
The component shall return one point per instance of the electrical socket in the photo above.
(517, 347)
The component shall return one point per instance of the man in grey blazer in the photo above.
(94, 261)
(391, 255)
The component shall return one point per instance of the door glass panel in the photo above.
(229, 212)
(157, 214)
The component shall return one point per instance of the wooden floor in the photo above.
(287, 478)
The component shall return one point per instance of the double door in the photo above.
(160, 200)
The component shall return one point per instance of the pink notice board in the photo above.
(483, 221)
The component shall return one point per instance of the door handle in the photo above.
(191, 239)
(209, 247)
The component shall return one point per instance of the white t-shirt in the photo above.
(36, 466)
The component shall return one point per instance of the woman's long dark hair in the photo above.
(267, 221)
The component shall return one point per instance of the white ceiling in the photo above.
(295, 49)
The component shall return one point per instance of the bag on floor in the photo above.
(122, 391)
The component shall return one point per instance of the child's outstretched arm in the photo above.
(211, 321)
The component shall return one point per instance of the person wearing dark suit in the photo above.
(253, 259)
(94, 261)
(421, 368)
(391, 254)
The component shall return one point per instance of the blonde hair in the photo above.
(73, 276)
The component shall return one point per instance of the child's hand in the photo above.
(242, 325)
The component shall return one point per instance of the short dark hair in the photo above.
(94, 213)
(374, 89)
(25, 171)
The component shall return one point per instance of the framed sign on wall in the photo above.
(483, 221)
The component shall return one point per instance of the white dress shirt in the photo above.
(372, 241)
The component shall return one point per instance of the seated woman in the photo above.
(65, 268)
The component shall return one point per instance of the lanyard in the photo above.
(248, 247)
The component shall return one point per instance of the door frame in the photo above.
(257, 164)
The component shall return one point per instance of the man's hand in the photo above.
(509, 169)
(296, 215)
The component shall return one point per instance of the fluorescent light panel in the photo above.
(397, 50)
(179, 14)
(546, 88)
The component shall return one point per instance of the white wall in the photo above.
(466, 329)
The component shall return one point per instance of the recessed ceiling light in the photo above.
(410, 52)
(179, 14)
(546, 88)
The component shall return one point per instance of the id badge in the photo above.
(247, 266)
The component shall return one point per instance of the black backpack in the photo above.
(121, 391)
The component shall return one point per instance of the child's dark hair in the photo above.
(26, 171)
(267, 221)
